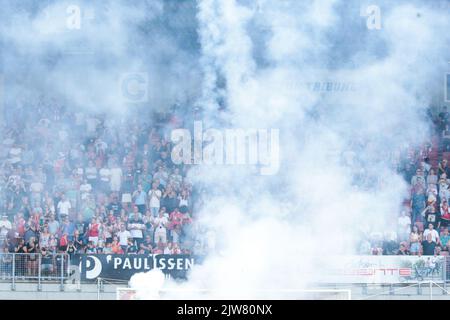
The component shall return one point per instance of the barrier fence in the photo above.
(71, 270)
(17, 267)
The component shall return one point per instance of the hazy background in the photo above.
(254, 64)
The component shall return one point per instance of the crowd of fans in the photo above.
(423, 225)
(74, 182)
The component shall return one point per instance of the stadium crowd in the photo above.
(422, 226)
(77, 182)
(73, 182)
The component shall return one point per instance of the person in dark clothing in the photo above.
(403, 250)
(20, 249)
(429, 246)
(46, 262)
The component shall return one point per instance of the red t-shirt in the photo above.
(445, 213)
(21, 227)
(63, 241)
(94, 230)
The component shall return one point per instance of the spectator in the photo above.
(418, 202)
(44, 238)
(160, 225)
(124, 235)
(432, 177)
(32, 260)
(390, 245)
(429, 245)
(46, 262)
(414, 241)
(64, 206)
(5, 227)
(115, 177)
(136, 227)
(116, 248)
(146, 246)
(140, 199)
(404, 226)
(443, 168)
(53, 225)
(431, 216)
(403, 250)
(90, 249)
(155, 196)
(431, 231)
(93, 231)
(132, 248)
(71, 249)
(444, 239)
(445, 214)
(20, 258)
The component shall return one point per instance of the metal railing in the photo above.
(17, 267)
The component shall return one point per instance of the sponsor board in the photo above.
(123, 267)
(383, 269)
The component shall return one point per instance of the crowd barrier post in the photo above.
(39, 272)
(13, 273)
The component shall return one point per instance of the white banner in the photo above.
(382, 269)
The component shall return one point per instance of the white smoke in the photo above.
(275, 232)
(259, 59)
(82, 51)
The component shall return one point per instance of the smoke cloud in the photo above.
(338, 146)
(345, 99)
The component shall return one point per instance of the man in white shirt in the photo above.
(124, 235)
(5, 226)
(160, 224)
(136, 226)
(105, 177)
(116, 178)
(36, 188)
(404, 226)
(91, 172)
(433, 232)
(85, 189)
(64, 206)
(155, 196)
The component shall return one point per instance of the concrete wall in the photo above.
(52, 291)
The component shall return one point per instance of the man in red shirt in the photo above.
(93, 231)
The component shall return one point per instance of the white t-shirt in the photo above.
(105, 174)
(116, 176)
(135, 231)
(36, 187)
(5, 224)
(161, 222)
(154, 201)
(91, 173)
(85, 188)
(404, 224)
(64, 206)
(123, 237)
(434, 235)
